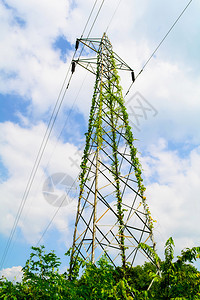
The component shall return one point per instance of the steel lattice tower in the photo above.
(112, 214)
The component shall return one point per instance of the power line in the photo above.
(50, 222)
(168, 32)
(95, 19)
(163, 39)
(54, 117)
(57, 210)
(43, 145)
(44, 232)
(89, 18)
(135, 77)
(33, 173)
(66, 120)
(35, 168)
(55, 213)
(113, 15)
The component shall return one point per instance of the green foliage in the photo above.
(9, 290)
(117, 107)
(41, 276)
(75, 265)
(115, 165)
(93, 123)
(151, 252)
(176, 279)
(41, 279)
(97, 281)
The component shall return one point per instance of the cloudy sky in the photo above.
(37, 45)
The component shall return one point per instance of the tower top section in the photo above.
(95, 47)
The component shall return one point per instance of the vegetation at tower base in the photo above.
(179, 279)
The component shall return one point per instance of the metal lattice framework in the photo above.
(112, 214)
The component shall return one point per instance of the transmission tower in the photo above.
(112, 215)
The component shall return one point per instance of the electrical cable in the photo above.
(156, 49)
(32, 176)
(33, 172)
(51, 123)
(113, 15)
(44, 141)
(46, 136)
(66, 121)
(42, 147)
(46, 229)
(89, 18)
(55, 213)
(148, 58)
(54, 150)
(72, 106)
(95, 19)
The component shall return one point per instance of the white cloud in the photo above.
(172, 190)
(29, 65)
(172, 187)
(13, 274)
(31, 68)
(174, 93)
(18, 152)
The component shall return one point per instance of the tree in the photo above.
(176, 279)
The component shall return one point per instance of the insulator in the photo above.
(133, 76)
(73, 66)
(77, 44)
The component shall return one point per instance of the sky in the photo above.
(37, 45)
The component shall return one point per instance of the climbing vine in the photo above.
(129, 136)
(115, 170)
(91, 124)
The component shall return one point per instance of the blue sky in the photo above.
(37, 43)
